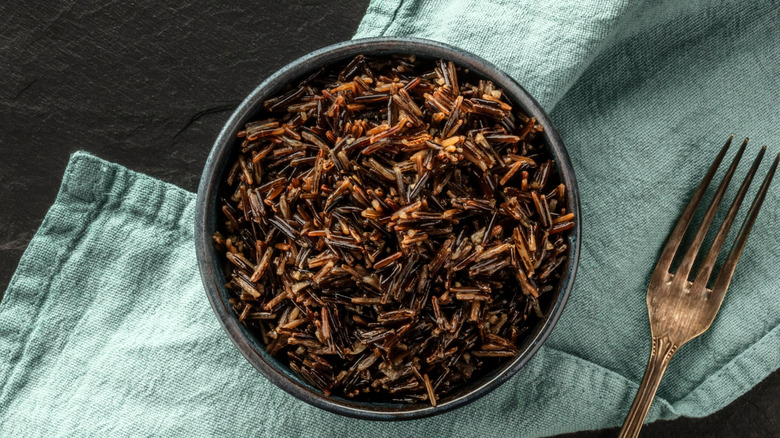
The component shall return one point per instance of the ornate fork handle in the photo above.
(660, 355)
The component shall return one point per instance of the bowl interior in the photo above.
(224, 151)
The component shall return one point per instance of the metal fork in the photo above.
(679, 309)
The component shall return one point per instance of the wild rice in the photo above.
(390, 227)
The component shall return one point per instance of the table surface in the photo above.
(149, 86)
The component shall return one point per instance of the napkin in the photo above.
(105, 329)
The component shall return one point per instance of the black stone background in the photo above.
(149, 85)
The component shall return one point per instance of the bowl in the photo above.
(210, 263)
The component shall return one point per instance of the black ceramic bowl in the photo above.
(210, 263)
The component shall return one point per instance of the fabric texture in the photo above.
(105, 329)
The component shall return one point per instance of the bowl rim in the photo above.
(205, 220)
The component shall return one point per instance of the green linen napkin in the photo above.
(105, 329)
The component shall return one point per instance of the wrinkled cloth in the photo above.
(105, 329)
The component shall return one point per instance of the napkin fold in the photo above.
(105, 329)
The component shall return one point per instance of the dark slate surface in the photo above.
(149, 86)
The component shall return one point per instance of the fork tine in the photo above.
(712, 255)
(667, 255)
(690, 255)
(727, 271)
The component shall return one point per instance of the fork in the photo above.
(679, 309)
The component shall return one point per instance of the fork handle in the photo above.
(660, 355)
